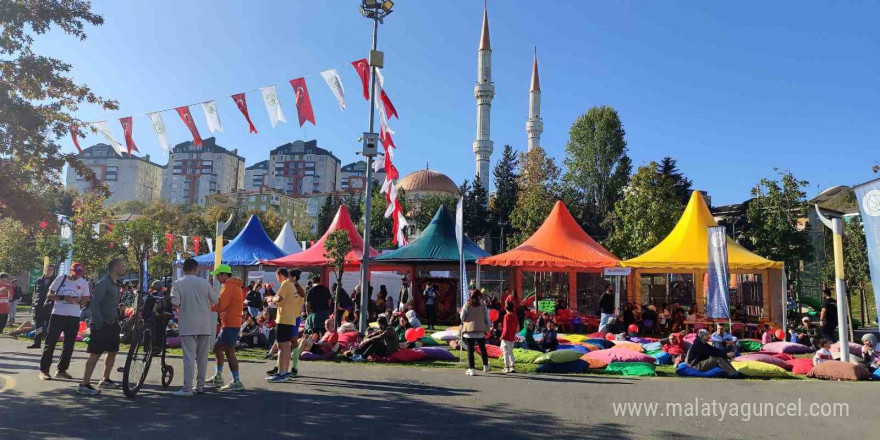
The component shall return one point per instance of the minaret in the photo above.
(484, 91)
(534, 125)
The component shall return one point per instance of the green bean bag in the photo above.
(428, 341)
(747, 345)
(525, 356)
(631, 369)
(558, 357)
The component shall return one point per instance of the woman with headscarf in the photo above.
(870, 354)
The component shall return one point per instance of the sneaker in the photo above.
(108, 384)
(45, 376)
(512, 370)
(235, 385)
(357, 358)
(215, 381)
(273, 371)
(182, 393)
(34, 346)
(87, 390)
(277, 378)
(505, 370)
(268, 356)
(470, 372)
(486, 368)
(63, 375)
(293, 372)
(200, 390)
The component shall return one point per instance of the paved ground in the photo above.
(359, 401)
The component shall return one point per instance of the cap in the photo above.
(223, 268)
(77, 267)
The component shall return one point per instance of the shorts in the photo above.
(286, 332)
(228, 337)
(105, 339)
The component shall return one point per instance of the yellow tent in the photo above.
(685, 250)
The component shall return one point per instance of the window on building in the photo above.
(110, 174)
(177, 167)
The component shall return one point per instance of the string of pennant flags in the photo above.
(275, 112)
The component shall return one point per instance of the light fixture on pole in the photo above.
(836, 226)
(376, 11)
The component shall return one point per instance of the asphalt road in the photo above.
(365, 401)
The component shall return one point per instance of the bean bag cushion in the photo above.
(578, 348)
(576, 366)
(759, 369)
(876, 374)
(309, 356)
(689, 338)
(562, 340)
(437, 354)
(784, 356)
(445, 336)
(575, 338)
(686, 370)
(596, 335)
(854, 349)
(347, 340)
(631, 369)
(619, 354)
(641, 340)
(765, 358)
(786, 347)
(428, 341)
(800, 365)
(661, 357)
(523, 355)
(839, 370)
(558, 357)
(600, 343)
(404, 355)
(173, 342)
(629, 346)
(652, 346)
(593, 363)
(492, 351)
(590, 347)
(747, 345)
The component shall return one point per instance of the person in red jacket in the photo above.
(509, 327)
(676, 348)
(229, 308)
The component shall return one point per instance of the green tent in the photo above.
(436, 244)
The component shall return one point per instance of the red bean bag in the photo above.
(596, 336)
(765, 358)
(347, 340)
(563, 341)
(800, 365)
(404, 355)
(784, 356)
(619, 354)
(689, 338)
(492, 351)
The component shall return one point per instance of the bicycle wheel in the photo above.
(137, 365)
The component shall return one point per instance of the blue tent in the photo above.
(247, 249)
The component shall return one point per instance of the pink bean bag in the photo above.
(173, 342)
(404, 355)
(596, 336)
(800, 365)
(619, 354)
(854, 349)
(492, 351)
(689, 338)
(765, 358)
(786, 347)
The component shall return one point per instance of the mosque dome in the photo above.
(427, 181)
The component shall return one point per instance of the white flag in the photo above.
(459, 225)
(331, 76)
(212, 116)
(159, 128)
(184, 242)
(103, 129)
(155, 245)
(401, 229)
(97, 228)
(273, 105)
(378, 165)
(391, 188)
(210, 244)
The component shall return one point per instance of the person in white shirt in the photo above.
(197, 324)
(823, 354)
(69, 292)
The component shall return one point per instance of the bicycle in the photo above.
(144, 345)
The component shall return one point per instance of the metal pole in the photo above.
(368, 195)
(836, 227)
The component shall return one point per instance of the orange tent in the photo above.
(559, 245)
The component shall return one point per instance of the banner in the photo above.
(459, 237)
(74, 133)
(868, 197)
(303, 101)
(187, 119)
(241, 103)
(126, 133)
(718, 297)
(331, 76)
(273, 105)
(104, 130)
(363, 70)
(159, 128)
(212, 117)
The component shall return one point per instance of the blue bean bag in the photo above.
(685, 370)
(437, 354)
(662, 358)
(309, 356)
(574, 367)
(652, 346)
(876, 374)
(578, 348)
(600, 342)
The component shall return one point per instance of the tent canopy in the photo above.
(558, 244)
(436, 244)
(248, 248)
(287, 240)
(314, 256)
(687, 246)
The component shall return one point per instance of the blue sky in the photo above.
(731, 90)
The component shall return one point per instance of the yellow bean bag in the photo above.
(574, 338)
(759, 369)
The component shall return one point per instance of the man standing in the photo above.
(104, 328)
(194, 299)
(430, 296)
(319, 300)
(68, 292)
(229, 309)
(606, 309)
(289, 299)
(6, 293)
(403, 297)
(828, 316)
(41, 309)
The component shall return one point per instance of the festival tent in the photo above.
(686, 250)
(560, 245)
(287, 240)
(248, 248)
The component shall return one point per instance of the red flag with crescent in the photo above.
(390, 170)
(126, 131)
(389, 107)
(169, 239)
(74, 133)
(187, 119)
(241, 103)
(196, 242)
(303, 102)
(363, 70)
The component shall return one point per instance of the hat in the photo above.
(77, 267)
(805, 319)
(223, 268)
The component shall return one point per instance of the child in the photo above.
(549, 341)
(768, 335)
(823, 354)
(676, 348)
(530, 342)
(509, 327)
(542, 322)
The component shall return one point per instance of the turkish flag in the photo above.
(303, 102)
(363, 71)
(74, 133)
(391, 172)
(187, 119)
(196, 241)
(169, 239)
(385, 138)
(126, 131)
(241, 103)
(389, 107)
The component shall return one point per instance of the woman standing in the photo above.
(474, 325)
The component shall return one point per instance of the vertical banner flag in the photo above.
(303, 102)
(210, 244)
(169, 240)
(273, 105)
(159, 128)
(179, 268)
(74, 133)
(184, 237)
(331, 76)
(717, 300)
(126, 132)
(212, 117)
(187, 119)
(155, 245)
(241, 103)
(868, 197)
(459, 237)
(104, 130)
(146, 275)
(363, 70)
(196, 242)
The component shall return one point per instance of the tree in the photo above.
(681, 183)
(336, 247)
(37, 97)
(355, 204)
(476, 214)
(136, 238)
(327, 212)
(426, 206)
(646, 214)
(50, 244)
(538, 183)
(506, 194)
(597, 165)
(17, 252)
(90, 248)
(856, 269)
(271, 221)
(128, 207)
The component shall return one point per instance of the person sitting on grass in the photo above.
(543, 319)
(549, 341)
(251, 335)
(809, 334)
(328, 343)
(676, 348)
(768, 336)
(25, 327)
(381, 342)
(823, 353)
(704, 357)
(401, 328)
(413, 319)
(722, 340)
(530, 342)
(870, 354)
(347, 323)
